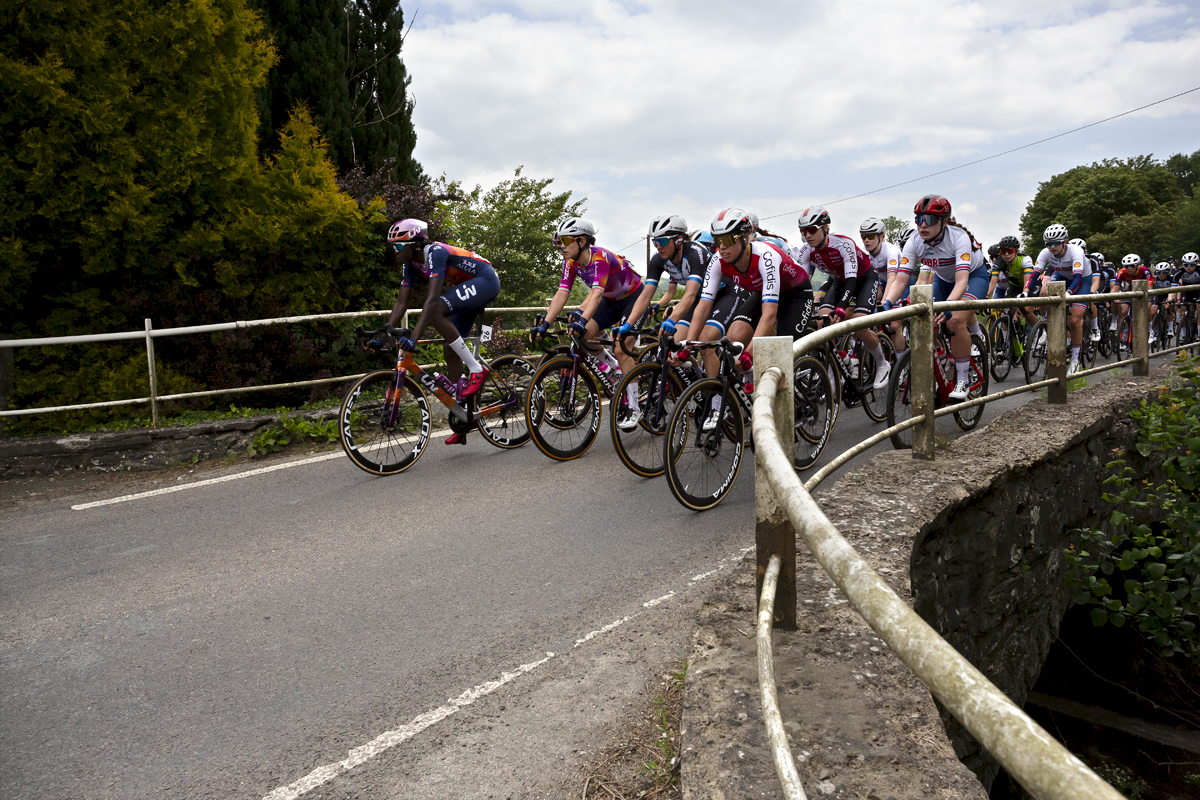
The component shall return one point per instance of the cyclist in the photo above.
(952, 260)
(1015, 268)
(851, 284)
(1063, 261)
(613, 289)
(1188, 276)
(750, 289)
(1162, 280)
(1093, 287)
(885, 260)
(1132, 269)
(470, 284)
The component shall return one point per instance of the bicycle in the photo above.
(1037, 349)
(945, 376)
(702, 466)
(1007, 337)
(562, 407)
(659, 386)
(385, 419)
(851, 371)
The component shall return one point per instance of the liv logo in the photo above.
(465, 292)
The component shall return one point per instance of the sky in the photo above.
(689, 106)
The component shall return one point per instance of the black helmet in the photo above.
(1009, 243)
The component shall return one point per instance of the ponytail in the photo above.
(765, 232)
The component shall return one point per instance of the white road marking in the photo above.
(657, 600)
(385, 741)
(210, 481)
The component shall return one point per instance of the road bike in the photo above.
(701, 466)
(945, 376)
(385, 419)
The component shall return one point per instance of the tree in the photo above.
(341, 59)
(1119, 207)
(512, 225)
(894, 227)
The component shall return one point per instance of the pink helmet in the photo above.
(408, 230)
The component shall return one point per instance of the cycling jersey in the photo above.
(452, 264)
(839, 258)
(771, 272)
(1073, 261)
(885, 261)
(1186, 278)
(604, 269)
(1017, 272)
(1127, 275)
(690, 268)
(955, 253)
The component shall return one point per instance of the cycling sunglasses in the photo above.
(661, 241)
(1007, 251)
(563, 241)
(811, 230)
(928, 219)
(726, 239)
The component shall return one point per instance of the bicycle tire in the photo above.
(814, 411)
(1001, 361)
(979, 387)
(900, 400)
(1035, 357)
(504, 392)
(384, 446)
(874, 401)
(1157, 327)
(562, 409)
(640, 448)
(701, 467)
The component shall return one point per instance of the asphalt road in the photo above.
(229, 639)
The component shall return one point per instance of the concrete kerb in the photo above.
(859, 722)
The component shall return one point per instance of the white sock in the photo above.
(631, 395)
(462, 351)
(610, 359)
(1075, 352)
(976, 330)
(963, 367)
(877, 354)
(716, 402)
(1095, 324)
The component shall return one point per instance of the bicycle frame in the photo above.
(406, 364)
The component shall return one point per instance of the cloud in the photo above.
(625, 102)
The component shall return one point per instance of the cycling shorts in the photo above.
(466, 301)
(795, 311)
(1084, 288)
(862, 303)
(614, 312)
(735, 304)
(977, 286)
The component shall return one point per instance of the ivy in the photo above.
(293, 429)
(1148, 575)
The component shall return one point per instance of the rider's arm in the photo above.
(432, 296)
(962, 278)
(556, 304)
(691, 291)
(766, 323)
(642, 303)
(588, 307)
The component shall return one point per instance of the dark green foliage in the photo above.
(512, 225)
(1139, 205)
(1148, 575)
(342, 61)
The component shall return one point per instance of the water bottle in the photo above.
(444, 383)
(854, 367)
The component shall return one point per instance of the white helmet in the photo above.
(1131, 260)
(1190, 258)
(1098, 256)
(1162, 266)
(407, 230)
(1080, 243)
(575, 226)
(668, 225)
(1055, 233)
(753, 219)
(815, 215)
(731, 220)
(872, 226)
(905, 235)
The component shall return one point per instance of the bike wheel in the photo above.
(384, 431)
(1035, 353)
(701, 466)
(978, 376)
(562, 409)
(501, 402)
(900, 400)
(814, 412)
(874, 401)
(1001, 349)
(1103, 347)
(640, 448)
(1157, 330)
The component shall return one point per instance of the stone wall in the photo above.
(988, 521)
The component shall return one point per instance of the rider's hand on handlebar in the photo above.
(623, 330)
(839, 314)
(666, 327)
(407, 343)
(578, 326)
(745, 363)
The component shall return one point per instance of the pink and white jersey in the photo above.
(1073, 260)
(605, 269)
(885, 261)
(953, 254)
(840, 258)
(771, 272)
